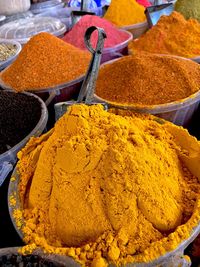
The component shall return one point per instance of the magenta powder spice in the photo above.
(76, 35)
(144, 3)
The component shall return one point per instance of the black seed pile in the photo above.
(26, 261)
(19, 114)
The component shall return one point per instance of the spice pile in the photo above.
(6, 51)
(171, 35)
(45, 61)
(118, 182)
(189, 9)
(19, 114)
(124, 13)
(164, 79)
(76, 35)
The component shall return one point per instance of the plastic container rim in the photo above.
(45, 90)
(153, 109)
(43, 118)
(124, 43)
(24, 40)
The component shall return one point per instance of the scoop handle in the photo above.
(89, 84)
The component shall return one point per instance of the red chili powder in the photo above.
(76, 35)
(144, 3)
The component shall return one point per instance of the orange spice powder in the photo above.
(45, 61)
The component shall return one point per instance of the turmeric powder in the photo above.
(124, 13)
(104, 188)
(171, 35)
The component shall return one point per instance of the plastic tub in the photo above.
(137, 29)
(63, 14)
(9, 158)
(46, 6)
(173, 258)
(179, 112)
(24, 15)
(56, 94)
(6, 63)
(118, 50)
(23, 29)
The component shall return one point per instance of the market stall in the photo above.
(99, 130)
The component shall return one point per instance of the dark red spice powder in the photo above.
(76, 35)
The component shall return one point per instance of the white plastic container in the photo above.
(136, 29)
(179, 112)
(23, 29)
(9, 7)
(46, 6)
(8, 159)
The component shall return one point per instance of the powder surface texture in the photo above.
(189, 9)
(45, 61)
(103, 188)
(124, 13)
(148, 79)
(76, 35)
(171, 35)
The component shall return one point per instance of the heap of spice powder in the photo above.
(124, 13)
(148, 79)
(45, 61)
(76, 35)
(103, 188)
(171, 35)
(189, 9)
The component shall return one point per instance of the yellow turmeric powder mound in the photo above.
(103, 188)
(45, 61)
(171, 35)
(124, 13)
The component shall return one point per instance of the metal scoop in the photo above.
(86, 94)
(77, 15)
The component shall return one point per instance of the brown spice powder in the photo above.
(148, 79)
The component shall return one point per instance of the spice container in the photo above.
(9, 50)
(24, 15)
(23, 29)
(172, 244)
(10, 7)
(63, 14)
(137, 29)
(179, 112)
(9, 157)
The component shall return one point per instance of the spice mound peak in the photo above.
(45, 61)
(100, 186)
(171, 35)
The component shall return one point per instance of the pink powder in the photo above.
(144, 3)
(76, 35)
